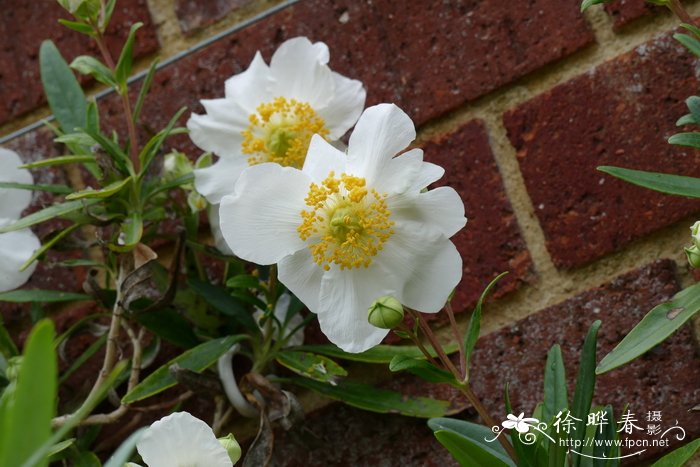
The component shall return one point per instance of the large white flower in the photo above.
(18, 246)
(348, 229)
(182, 440)
(269, 114)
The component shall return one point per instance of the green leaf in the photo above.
(120, 158)
(149, 151)
(48, 213)
(86, 459)
(196, 359)
(110, 190)
(368, 397)
(585, 384)
(692, 28)
(219, 298)
(59, 447)
(109, 9)
(601, 448)
(83, 357)
(476, 434)
(689, 139)
(124, 452)
(555, 391)
(131, 231)
(60, 189)
(662, 321)
(588, 3)
(680, 456)
(26, 424)
(123, 68)
(7, 345)
(48, 244)
(377, 354)
(690, 43)
(693, 103)
(66, 98)
(422, 369)
(526, 453)
(244, 281)
(665, 183)
(170, 325)
(145, 86)
(159, 188)
(88, 65)
(312, 366)
(60, 160)
(41, 296)
(472, 334)
(82, 28)
(466, 452)
(687, 119)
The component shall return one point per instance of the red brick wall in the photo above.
(519, 104)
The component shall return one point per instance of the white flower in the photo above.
(270, 113)
(18, 246)
(521, 424)
(347, 230)
(181, 440)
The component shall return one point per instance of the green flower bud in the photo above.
(204, 161)
(693, 254)
(13, 365)
(695, 233)
(232, 447)
(196, 202)
(385, 313)
(82, 9)
(176, 165)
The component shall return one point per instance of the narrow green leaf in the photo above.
(690, 43)
(123, 68)
(109, 9)
(86, 459)
(110, 190)
(555, 391)
(7, 345)
(120, 158)
(665, 183)
(422, 369)
(377, 354)
(27, 422)
(689, 139)
(126, 450)
(472, 334)
(41, 296)
(693, 103)
(244, 281)
(48, 244)
(59, 447)
(312, 366)
(466, 452)
(161, 187)
(169, 325)
(585, 384)
(374, 399)
(527, 454)
(87, 65)
(662, 321)
(196, 359)
(692, 28)
(82, 28)
(604, 452)
(93, 116)
(219, 298)
(59, 189)
(131, 231)
(145, 86)
(680, 456)
(83, 357)
(687, 119)
(71, 263)
(48, 213)
(588, 3)
(477, 434)
(149, 151)
(66, 98)
(60, 160)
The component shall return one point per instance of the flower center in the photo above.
(280, 131)
(346, 224)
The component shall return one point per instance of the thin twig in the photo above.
(419, 344)
(458, 337)
(677, 8)
(435, 343)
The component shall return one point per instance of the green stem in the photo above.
(460, 340)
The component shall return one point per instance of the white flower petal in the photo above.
(428, 174)
(15, 249)
(259, 221)
(322, 158)
(219, 131)
(215, 225)
(181, 440)
(13, 201)
(299, 71)
(302, 277)
(381, 132)
(441, 208)
(345, 108)
(250, 88)
(218, 180)
(400, 173)
(344, 302)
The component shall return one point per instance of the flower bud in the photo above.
(196, 202)
(82, 9)
(232, 447)
(695, 233)
(13, 366)
(385, 313)
(693, 254)
(176, 165)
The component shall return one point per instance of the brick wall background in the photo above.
(519, 101)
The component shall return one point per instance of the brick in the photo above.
(342, 435)
(666, 378)
(561, 138)
(491, 242)
(194, 16)
(20, 83)
(624, 12)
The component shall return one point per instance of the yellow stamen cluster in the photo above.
(281, 131)
(347, 224)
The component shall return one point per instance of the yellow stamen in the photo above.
(347, 224)
(281, 131)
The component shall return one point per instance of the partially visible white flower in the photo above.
(18, 246)
(348, 229)
(520, 423)
(182, 440)
(281, 309)
(270, 112)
